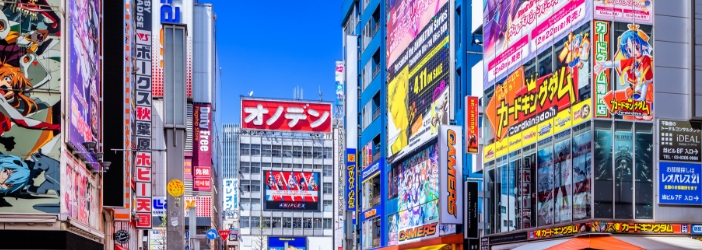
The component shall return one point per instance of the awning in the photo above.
(540, 244)
(434, 247)
(595, 242)
(662, 242)
(118, 247)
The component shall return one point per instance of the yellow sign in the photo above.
(562, 121)
(582, 111)
(529, 135)
(189, 204)
(489, 152)
(545, 129)
(351, 157)
(175, 188)
(502, 147)
(515, 141)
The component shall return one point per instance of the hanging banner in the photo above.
(472, 126)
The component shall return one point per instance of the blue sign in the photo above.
(351, 180)
(212, 234)
(373, 168)
(680, 183)
(278, 243)
(696, 228)
(373, 212)
(169, 13)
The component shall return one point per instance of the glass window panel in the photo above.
(490, 189)
(515, 162)
(644, 171)
(287, 222)
(276, 222)
(297, 151)
(603, 170)
(307, 223)
(307, 152)
(623, 171)
(245, 222)
(327, 206)
(318, 223)
(255, 149)
(297, 222)
(255, 222)
(255, 204)
(501, 201)
(563, 177)
(327, 223)
(527, 187)
(545, 213)
(582, 159)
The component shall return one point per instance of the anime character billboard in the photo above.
(632, 95)
(292, 190)
(30, 84)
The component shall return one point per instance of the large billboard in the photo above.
(516, 31)
(287, 243)
(625, 11)
(418, 87)
(202, 140)
(80, 193)
(31, 82)
(84, 76)
(451, 173)
(286, 116)
(292, 191)
(406, 19)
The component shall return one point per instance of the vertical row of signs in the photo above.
(142, 129)
(127, 105)
(679, 153)
(202, 138)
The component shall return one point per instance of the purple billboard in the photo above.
(84, 76)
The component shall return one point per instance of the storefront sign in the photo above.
(507, 238)
(373, 168)
(696, 228)
(601, 40)
(611, 227)
(680, 140)
(680, 183)
(472, 126)
(370, 213)
(450, 174)
(351, 179)
(418, 232)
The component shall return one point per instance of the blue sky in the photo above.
(269, 47)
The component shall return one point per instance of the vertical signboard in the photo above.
(339, 78)
(351, 179)
(450, 174)
(471, 210)
(679, 140)
(229, 193)
(202, 140)
(472, 126)
(601, 49)
(127, 104)
(680, 183)
(143, 99)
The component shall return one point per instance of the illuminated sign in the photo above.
(370, 213)
(451, 171)
(611, 227)
(418, 232)
(472, 129)
(169, 13)
(287, 116)
(450, 174)
(351, 179)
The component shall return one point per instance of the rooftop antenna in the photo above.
(320, 93)
(297, 93)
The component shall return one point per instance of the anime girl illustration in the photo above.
(271, 181)
(14, 174)
(633, 63)
(576, 54)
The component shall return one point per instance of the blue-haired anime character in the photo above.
(14, 174)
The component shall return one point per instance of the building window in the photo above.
(244, 222)
(328, 189)
(327, 205)
(297, 222)
(245, 204)
(266, 222)
(287, 165)
(327, 223)
(255, 149)
(328, 171)
(276, 222)
(317, 166)
(287, 222)
(308, 166)
(255, 167)
(266, 150)
(297, 166)
(287, 151)
(318, 153)
(255, 222)
(276, 165)
(256, 204)
(307, 152)
(297, 151)
(255, 186)
(371, 192)
(307, 223)
(245, 149)
(245, 167)
(328, 153)
(317, 223)
(245, 185)
(277, 152)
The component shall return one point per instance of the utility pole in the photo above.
(174, 125)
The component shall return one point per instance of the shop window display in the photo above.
(501, 201)
(563, 181)
(527, 190)
(623, 171)
(582, 158)
(545, 214)
(603, 184)
(644, 171)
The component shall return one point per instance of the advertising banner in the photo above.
(625, 11)
(202, 146)
(287, 243)
(292, 191)
(80, 194)
(351, 179)
(159, 205)
(632, 95)
(680, 183)
(418, 89)
(84, 87)
(339, 77)
(679, 140)
(419, 195)
(451, 174)
(601, 39)
(472, 124)
(406, 19)
(516, 31)
(230, 193)
(610, 227)
(286, 116)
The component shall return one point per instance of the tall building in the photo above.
(286, 177)
(230, 182)
(578, 138)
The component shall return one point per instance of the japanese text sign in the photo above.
(610, 227)
(202, 172)
(230, 190)
(679, 183)
(680, 140)
(472, 124)
(202, 184)
(351, 179)
(291, 116)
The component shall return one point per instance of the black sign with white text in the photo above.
(680, 140)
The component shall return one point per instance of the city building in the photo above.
(286, 178)
(580, 147)
(51, 157)
(415, 76)
(230, 183)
